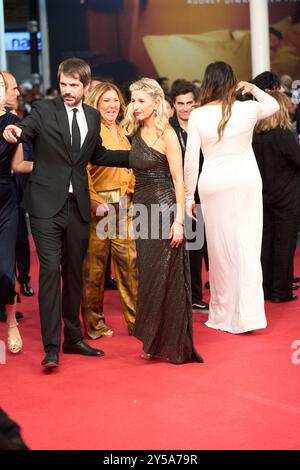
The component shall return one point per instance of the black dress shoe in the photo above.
(110, 283)
(26, 289)
(50, 360)
(278, 300)
(81, 348)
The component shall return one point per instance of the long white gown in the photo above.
(230, 190)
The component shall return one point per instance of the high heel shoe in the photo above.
(14, 344)
(104, 329)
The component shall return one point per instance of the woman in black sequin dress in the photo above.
(164, 308)
(11, 158)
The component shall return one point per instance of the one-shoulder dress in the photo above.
(164, 308)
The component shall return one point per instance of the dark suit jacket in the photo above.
(47, 128)
(182, 138)
(278, 157)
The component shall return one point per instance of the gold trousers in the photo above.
(123, 253)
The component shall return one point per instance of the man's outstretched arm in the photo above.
(27, 129)
(114, 158)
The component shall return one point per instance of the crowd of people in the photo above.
(222, 151)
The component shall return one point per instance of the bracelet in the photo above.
(177, 222)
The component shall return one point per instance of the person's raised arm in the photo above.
(18, 164)
(191, 161)
(265, 106)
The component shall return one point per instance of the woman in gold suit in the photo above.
(111, 192)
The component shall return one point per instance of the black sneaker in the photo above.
(200, 305)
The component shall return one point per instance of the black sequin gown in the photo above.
(8, 216)
(164, 308)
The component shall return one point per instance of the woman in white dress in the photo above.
(230, 190)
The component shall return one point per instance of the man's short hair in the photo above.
(162, 79)
(182, 87)
(76, 68)
(267, 81)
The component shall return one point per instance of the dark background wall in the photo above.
(70, 36)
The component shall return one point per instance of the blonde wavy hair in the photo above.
(130, 123)
(280, 119)
(98, 92)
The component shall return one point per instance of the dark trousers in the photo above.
(23, 249)
(196, 274)
(61, 244)
(278, 247)
(22, 246)
(196, 257)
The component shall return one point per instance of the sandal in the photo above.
(14, 344)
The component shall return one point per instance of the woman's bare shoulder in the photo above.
(170, 140)
(169, 134)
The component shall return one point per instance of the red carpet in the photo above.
(245, 396)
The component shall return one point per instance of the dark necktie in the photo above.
(75, 135)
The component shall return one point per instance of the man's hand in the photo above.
(12, 133)
(99, 210)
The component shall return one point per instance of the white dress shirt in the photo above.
(82, 124)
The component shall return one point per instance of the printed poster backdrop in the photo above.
(126, 39)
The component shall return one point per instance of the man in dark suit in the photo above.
(183, 95)
(65, 136)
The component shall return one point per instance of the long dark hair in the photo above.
(219, 84)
